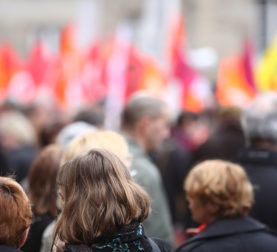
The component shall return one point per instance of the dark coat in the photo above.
(261, 167)
(39, 224)
(232, 235)
(20, 161)
(4, 165)
(129, 239)
(4, 248)
(174, 164)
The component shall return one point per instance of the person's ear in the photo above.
(23, 238)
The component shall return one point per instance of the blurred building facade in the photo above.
(214, 23)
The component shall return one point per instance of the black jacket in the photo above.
(261, 167)
(232, 235)
(20, 161)
(4, 248)
(39, 224)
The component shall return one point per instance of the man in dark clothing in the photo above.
(259, 124)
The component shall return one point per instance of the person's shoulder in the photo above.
(4, 248)
(268, 237)
(194, 246)
(163, 245)
(77, 248)
(143, 165)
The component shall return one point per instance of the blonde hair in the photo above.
(15, 212)
(15, 124)
(109, 198)
(102, 139)
(224, 186)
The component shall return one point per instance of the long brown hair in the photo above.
(100, 197)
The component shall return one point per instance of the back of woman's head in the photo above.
(15, 213)
(42, 180)
(99, 197)
(220, 187)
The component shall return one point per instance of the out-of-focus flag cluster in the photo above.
(74, 76)
(239, 80)
(116, 68)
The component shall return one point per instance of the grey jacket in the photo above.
(146, 174)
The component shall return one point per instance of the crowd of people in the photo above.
(205, 182)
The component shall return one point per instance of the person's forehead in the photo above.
(164, 115)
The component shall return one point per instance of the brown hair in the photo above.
(42, 180)
(15, 212)
(109, 198)
(224, 186)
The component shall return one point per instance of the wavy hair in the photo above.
(222, 185)
(99, 196)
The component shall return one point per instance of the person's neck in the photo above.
(138, 139)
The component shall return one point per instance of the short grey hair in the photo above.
(139, 106)
(259, 121)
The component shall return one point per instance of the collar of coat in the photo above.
(257, 156)
(6, 248)
(227, 227)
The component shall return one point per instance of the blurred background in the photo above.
(71, 52)
(68, 61)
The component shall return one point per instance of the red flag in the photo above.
(134, 72)
(39, 62)
(182, 71)
(94, 73)
(247, 59)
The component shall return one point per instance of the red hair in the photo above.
(15, 212)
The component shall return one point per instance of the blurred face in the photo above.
(156, 132)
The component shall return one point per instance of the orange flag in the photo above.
(153, 79)
(10, 63)
(71, 64)
(235, 83)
